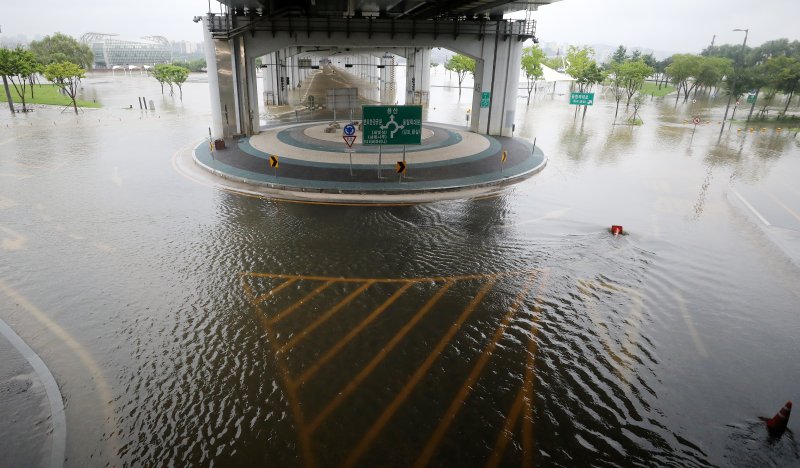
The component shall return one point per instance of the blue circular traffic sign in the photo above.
(349, 129)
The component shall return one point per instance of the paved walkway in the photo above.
(451, 162)
(33, 428)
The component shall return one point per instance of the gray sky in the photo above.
(667, 25)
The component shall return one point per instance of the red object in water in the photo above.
(616, 229)
(777, 425)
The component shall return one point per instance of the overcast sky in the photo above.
(666, 25)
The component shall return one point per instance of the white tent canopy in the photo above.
(551, 75)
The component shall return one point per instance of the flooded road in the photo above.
(186, 325)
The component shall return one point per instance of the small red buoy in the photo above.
(616, 230)
(777, 425)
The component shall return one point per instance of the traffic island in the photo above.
(307, 162)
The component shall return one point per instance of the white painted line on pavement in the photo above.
(750, 207)
(58, 419)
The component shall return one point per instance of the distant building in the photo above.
(110, 51)
(183, 47)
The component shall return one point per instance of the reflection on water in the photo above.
(238, 331)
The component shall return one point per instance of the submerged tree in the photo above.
(178, 75)
(583, 67)
(638, 100)
(161, 73)
(783, 74)
(682, 71)
(461, 64)
(67, 76)
(633, 73)
(532, 58)
(711, 71)
(616, 85)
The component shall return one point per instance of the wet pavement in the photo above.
(188, 325)
(24, 434)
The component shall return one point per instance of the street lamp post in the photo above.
(733, 83)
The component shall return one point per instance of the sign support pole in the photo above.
(404, 161)
(350, 152)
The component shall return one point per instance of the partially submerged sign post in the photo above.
(392, 125)
(349, 136)
(581, 99)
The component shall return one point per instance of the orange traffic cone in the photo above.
(777, 425)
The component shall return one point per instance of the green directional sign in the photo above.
(486, 96)
(581, 99)
(392, 125)
(751, 98)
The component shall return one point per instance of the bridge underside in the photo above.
(293, 37)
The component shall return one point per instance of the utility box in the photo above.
(219, 144)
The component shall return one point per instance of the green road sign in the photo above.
(392, 125)
(486, 96)
(581, 99)
(751, 98)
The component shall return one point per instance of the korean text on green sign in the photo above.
(392, 125)
(486, 97)
(581, 99)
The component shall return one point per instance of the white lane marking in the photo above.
(101, 384)
(59, 421)
(750, 207)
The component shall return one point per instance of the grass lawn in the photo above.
(652, 88)
(44, 94)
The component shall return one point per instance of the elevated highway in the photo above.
(293, 37)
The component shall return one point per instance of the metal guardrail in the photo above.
(226, 27)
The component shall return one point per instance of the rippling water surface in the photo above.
(191, 326)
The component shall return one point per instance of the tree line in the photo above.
(59, 58)
(63, 61)
(771, 68)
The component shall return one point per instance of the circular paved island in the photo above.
(311, 162)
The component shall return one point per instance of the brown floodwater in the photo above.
(187, 325)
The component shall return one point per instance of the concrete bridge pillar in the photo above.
(276, 78)
(387, 80)
(291, 75)
(418, 75)
(244, 89)
(217, 82)
(269, 75)
(497, 73)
